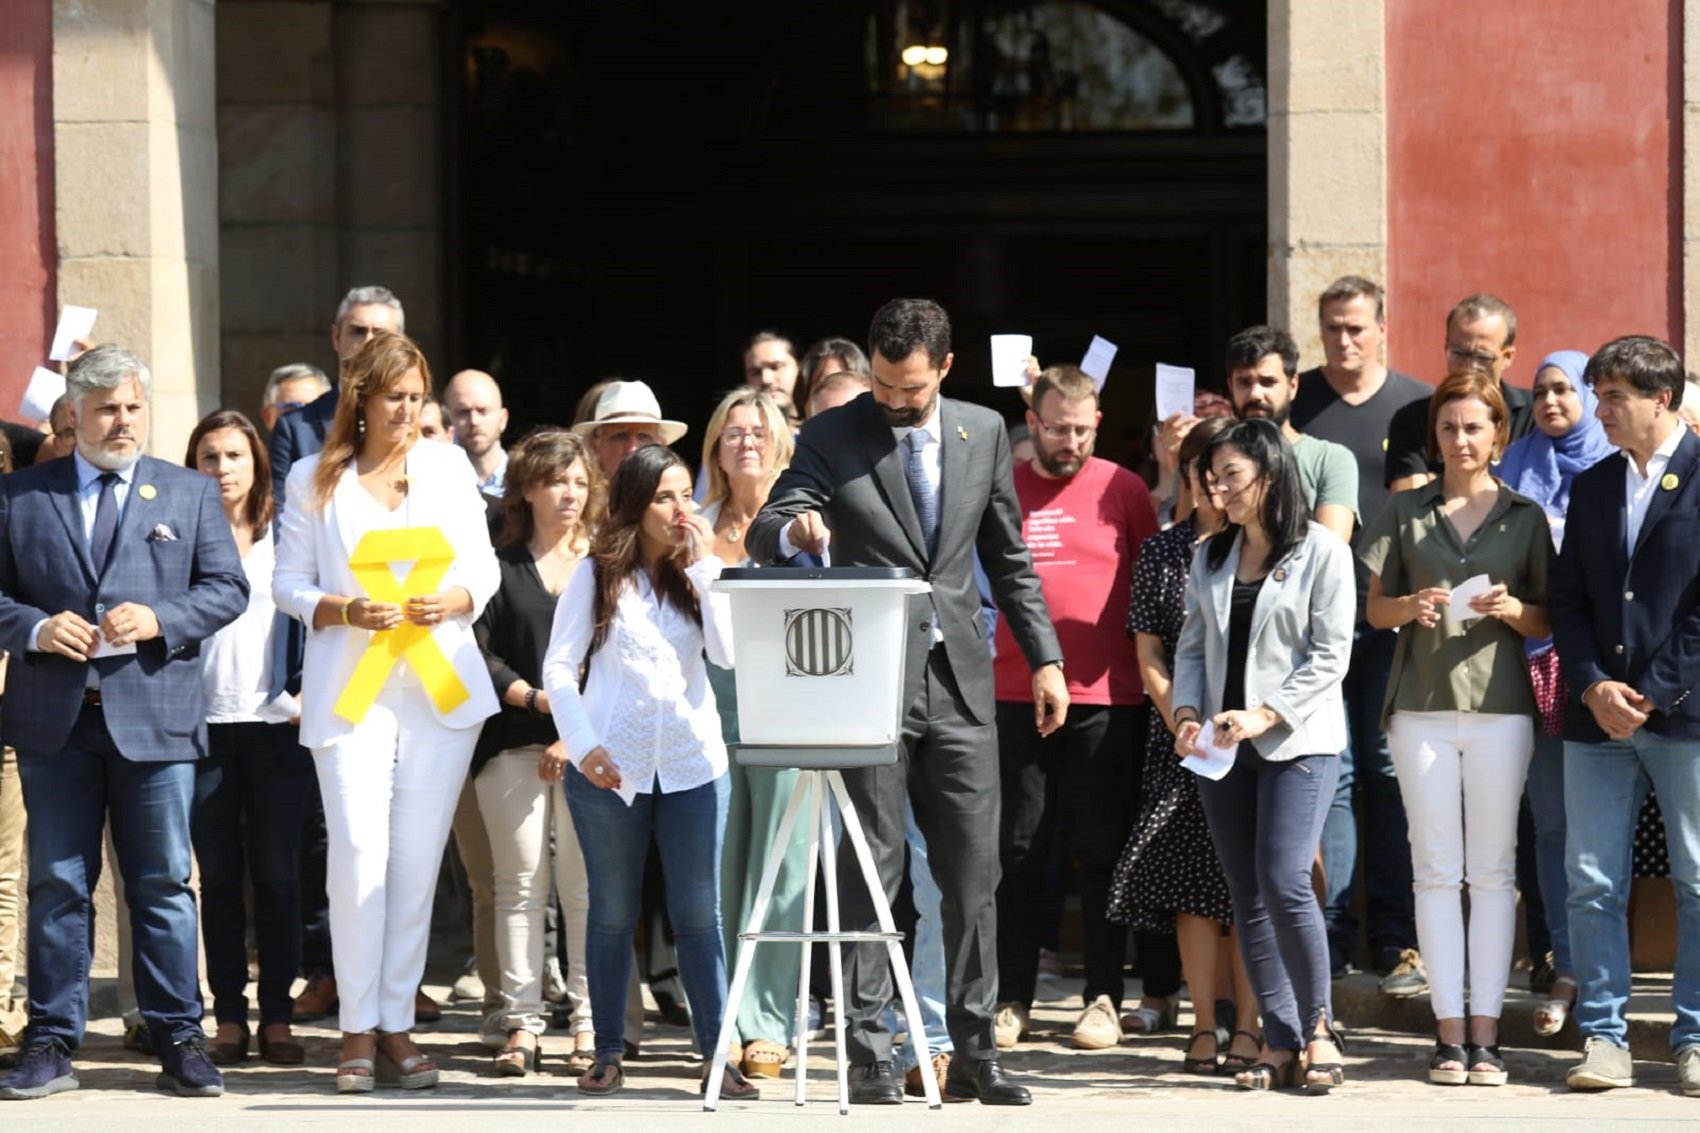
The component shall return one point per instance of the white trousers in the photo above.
(1461, 777)
(390, 788)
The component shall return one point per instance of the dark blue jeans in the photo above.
(250, 794)
(70, 795)
(1389, 906)
(1265, 819)
(689, 829)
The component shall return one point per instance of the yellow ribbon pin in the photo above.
(1669, 482)
(146, 491)
(961, 432)
(431, 555)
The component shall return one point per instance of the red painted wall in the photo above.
(1534, 151)
(28, 256)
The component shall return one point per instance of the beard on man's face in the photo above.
(1061, 464)
(908, 416)
(1262, 410)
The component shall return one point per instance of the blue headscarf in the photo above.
(1542, 467)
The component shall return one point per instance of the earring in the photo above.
(360, 426)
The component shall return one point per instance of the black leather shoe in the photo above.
(875, 1084)
(985, 1081)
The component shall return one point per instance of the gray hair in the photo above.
(106, 367)
(371, 296)
(288, 374)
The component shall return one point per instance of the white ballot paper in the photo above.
(1096, 364)
(46, 387)
(1458, 612)
(1211, 762)
(627, 790)
(1175, 386)
(102, 648)
(74, 323)
(1009, 359)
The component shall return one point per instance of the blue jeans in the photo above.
(1545, 792)
(1604, 786)
(69, 795)
(250, 795)
(926, 965)
(1388, 906)
(689, 828)
(1265, 819)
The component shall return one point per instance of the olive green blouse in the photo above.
(1481, 667)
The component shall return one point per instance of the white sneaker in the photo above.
(1603, 1067)
(1688, 1070)
(1009, 1023)
(1097, 1028)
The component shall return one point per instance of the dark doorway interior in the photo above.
(640, 184)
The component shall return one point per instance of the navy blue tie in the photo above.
(105, 523)
(926, 500)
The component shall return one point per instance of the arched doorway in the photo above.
(641, 185)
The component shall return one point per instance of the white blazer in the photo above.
(1301, 643)
(312, 561)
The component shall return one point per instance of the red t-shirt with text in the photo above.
(1084, 533)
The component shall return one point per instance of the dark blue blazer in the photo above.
(1632, 618)
(299, 434)
(172, 552)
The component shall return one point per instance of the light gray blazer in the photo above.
(1301, 643)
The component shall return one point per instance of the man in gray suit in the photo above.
(901, 477)
(114, 567)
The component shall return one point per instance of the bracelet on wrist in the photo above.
(531, 701)
(346, 607)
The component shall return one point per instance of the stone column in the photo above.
(331, 151)
(136, 184)
(1327, 155)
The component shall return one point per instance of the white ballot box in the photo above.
(820, 653)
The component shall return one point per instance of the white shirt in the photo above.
(236, 662)
(646, 700)
(1638, 489)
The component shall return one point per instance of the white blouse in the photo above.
(236, 662)
(646, 700)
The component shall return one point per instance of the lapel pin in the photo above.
(1669, 482)
(961, 432)
(1502, 529)
(1280, 574)
(147, 491)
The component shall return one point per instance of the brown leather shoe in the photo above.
(915, 1086)
(229, 1047)
(426, 1009)
(317, 999)
(279, 1046)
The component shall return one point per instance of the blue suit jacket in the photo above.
(1632, 618)
(299, 434)
(154, 699)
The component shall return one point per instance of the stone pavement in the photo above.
(1074, 1090)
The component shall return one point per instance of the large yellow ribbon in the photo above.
(430, 553)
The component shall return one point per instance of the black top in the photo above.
(1319, 412)
(513, 633)
(1239, 642)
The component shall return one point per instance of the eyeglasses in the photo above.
(64, 434)
(735, 437)
(1065, 432)
(1476, 358)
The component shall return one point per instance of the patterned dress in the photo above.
(1169, 865)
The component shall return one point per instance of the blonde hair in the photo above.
(376, 368)
(778, 436)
